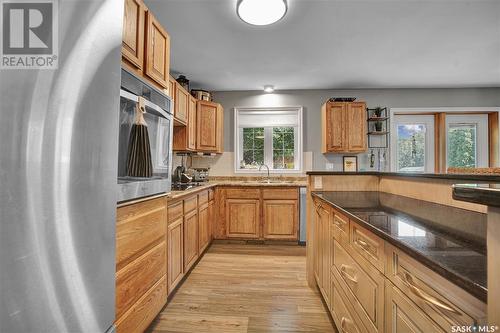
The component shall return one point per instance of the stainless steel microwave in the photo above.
(159, 120)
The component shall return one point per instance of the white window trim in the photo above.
(452, 109)
(428, 122)
(298, 140)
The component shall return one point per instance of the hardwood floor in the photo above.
(246, 288)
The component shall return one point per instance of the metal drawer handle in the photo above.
(428, 298)
(343, 270)
(363, 244)
(343, 324)
(339, 222)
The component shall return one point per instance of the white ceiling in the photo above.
(322, 44)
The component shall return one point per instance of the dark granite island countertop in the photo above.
(448, 240)
(485, 194)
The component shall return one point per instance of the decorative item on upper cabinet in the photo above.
(344, 127)
(183, 81)
(157, 63)
(202, 95)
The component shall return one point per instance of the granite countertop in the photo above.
(240, 182)
(415, 227)
(472, 177)
(485, 194)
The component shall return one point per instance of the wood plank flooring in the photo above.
(246, 288)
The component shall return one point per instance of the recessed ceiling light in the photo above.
(268, 89)
(261, 12)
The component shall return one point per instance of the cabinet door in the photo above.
(325, 249)
(175, 253)
(191, 132)
(190, 239)
(171, 89)
(133, 33)
(336, 127)
(220, 129)
(157, 51)
(405, 317)
(203, 229)
(206, 134)
(181, 105)
(242, 218)
(280, 219)
(211, 219)
(316, 237)
(357, 127)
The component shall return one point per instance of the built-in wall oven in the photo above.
(159, 120)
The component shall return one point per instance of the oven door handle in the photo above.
(150, 107)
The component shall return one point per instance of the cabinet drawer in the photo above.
(444, 302)
(403, 316)
(367, 245)
(343, 317)
(136, 278)
(142, 313)
(340, 228)
(202, 197)
(174, 211)
(137, 227)
(280, 193)
(190, 204)
(364, 288)
(242, 193)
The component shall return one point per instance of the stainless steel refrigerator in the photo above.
(58, 167)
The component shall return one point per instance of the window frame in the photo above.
(440, 114)
(417, 119)
(268, 142)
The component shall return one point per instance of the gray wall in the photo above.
(312, 100)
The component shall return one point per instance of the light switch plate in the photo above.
(318, 182)
(329, 166)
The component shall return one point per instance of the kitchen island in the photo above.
(489, 195)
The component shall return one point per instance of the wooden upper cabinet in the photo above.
(334, 119)
(171, 87)
(220, 129)
(181, 105)
(133, 33)
(344, 127)
(157, 64)
(207, 129)
(357, 131)
(192, 124)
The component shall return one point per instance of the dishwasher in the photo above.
(302, 215)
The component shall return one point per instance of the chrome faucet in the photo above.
(260, 168)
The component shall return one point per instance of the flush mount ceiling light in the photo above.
(261, 12)
(268, 89)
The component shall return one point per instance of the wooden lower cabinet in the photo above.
(343, 315)
(190, 239)
(253, 212)
(374, 287)
(142, 313)
(242, 218)
(203, 228)
(280, 219)
(403, 316)
(364, 286)
(175, 263)
(141, 264)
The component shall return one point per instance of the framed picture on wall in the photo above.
(350, 163)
